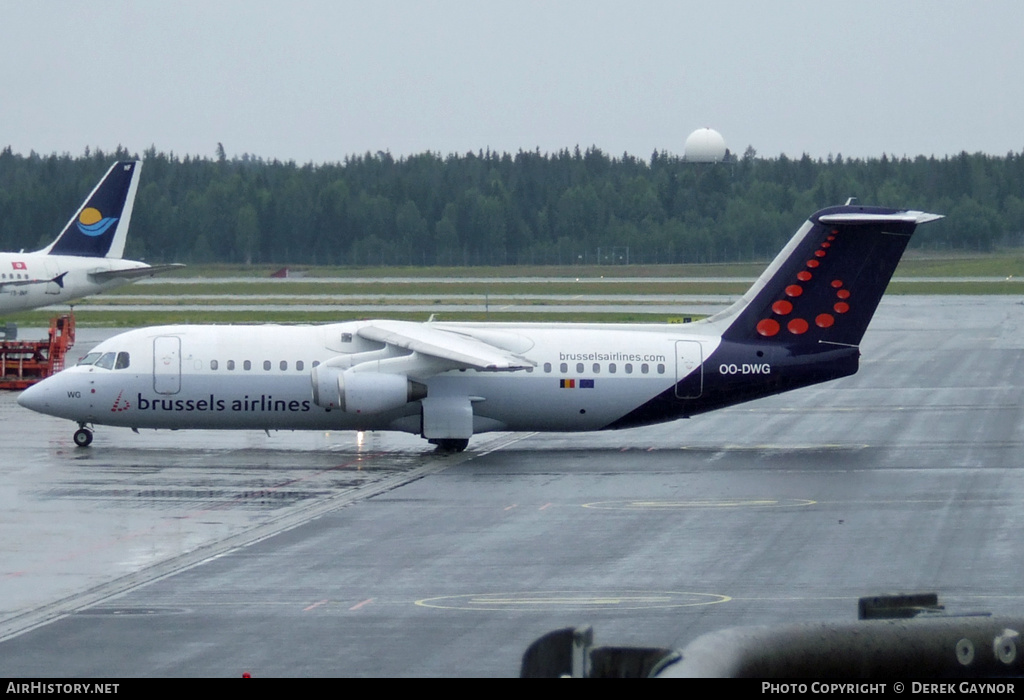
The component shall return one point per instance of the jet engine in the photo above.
(363, 392)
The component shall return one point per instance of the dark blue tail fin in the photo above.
(826, 283)
(100, 226)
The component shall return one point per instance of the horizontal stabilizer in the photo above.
(134, 273)
(902, 217)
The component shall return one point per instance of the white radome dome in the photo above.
(704, 146)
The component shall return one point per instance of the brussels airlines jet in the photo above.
(86, 257)
(799, 324)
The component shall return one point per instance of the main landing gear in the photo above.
(83, 436)
(449, 445)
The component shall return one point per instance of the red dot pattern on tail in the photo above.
(769, 327)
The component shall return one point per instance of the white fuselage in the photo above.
(29, 280)
(245, 377)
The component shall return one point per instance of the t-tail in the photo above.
(824, 287)
(802, 321)
(100, 226)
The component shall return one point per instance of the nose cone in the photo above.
(37, 397)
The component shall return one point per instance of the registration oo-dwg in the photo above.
(764, 368)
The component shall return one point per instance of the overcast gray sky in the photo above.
(316, 80)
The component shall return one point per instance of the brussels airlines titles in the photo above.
(212, 403)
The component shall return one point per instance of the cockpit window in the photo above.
(90, 359)
(106, 361)
(122, 361)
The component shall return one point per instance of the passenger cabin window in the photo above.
(284, 365)
(547, 367)
(247, 365)
(231, 365)
(564, 368)
(299, 364)
(644, 369)
(266, 365)
(213, 364)
(629, 368)
(579, 368)
(611, 368)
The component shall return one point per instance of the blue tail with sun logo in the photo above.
(100, 226)
(824, 287)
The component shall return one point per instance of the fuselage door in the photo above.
(52, 272)
(689, 369)
(167, 364)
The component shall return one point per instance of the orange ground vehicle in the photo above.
(25, 362)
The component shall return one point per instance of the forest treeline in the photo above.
(488, 208)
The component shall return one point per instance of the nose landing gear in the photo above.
(83, 436)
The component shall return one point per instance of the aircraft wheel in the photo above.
(451, 444)
(83, 437)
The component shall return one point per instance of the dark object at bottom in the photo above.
(899, 647)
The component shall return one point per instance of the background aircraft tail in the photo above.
(826, 283)
(100, 226)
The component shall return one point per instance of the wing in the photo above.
(446, 345)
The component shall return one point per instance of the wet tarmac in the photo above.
(334, 554)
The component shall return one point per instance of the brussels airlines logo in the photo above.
(120, 404)
(92, 223)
